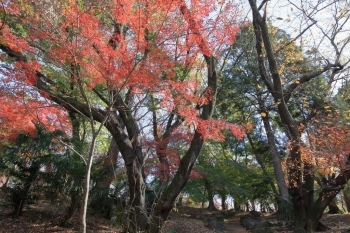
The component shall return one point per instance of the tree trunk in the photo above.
(209, 188)
(136, 213)
(347, 201)
(179, 200)
(237, 206)
(308, 186)
(295, 180)
(100, 200)
(86, 188)
(282, 197)
(166, 201)
(131, 151)
(329, 191)
(74, 201)
(110, 165)
(316, 211)
(247, 209)
(333, 207)
(19, 196)
(223, 201)
(277, 167)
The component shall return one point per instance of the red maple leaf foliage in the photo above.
(141, 46)
(18, 114)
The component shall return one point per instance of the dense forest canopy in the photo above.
(135, 104)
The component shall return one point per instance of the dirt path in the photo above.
(233, 224)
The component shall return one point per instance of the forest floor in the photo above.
(42, 218)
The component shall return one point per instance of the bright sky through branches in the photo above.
(320, 27)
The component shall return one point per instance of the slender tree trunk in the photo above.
(292, 129)
(209, 188)
(223, 200)
(4, 186)
(74, 199)
(283, 199)
(19, 197)
(179, 200)
(84, 201)
(263, 167)
(347, 201)
(247, 206)
(237, 206)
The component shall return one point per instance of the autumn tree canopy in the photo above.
(147, 75)
(135, 66)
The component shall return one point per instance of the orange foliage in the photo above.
(18, 115)
(328, 147)
(121, 44)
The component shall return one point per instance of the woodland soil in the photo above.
(43, 217)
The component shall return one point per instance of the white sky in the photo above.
(288, 16)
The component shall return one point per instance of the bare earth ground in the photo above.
(42, 218)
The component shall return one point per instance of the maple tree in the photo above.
(106, 60)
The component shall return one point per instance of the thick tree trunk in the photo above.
(167, 199)
(131, 151)
(110, 165)
(316, 211)
(329, 191)
(136, 212)
(308, 186)
(100, 200)
(295, 189)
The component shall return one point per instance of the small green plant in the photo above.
(172, 230)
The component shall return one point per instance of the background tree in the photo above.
(298, 169)
(23, 160)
